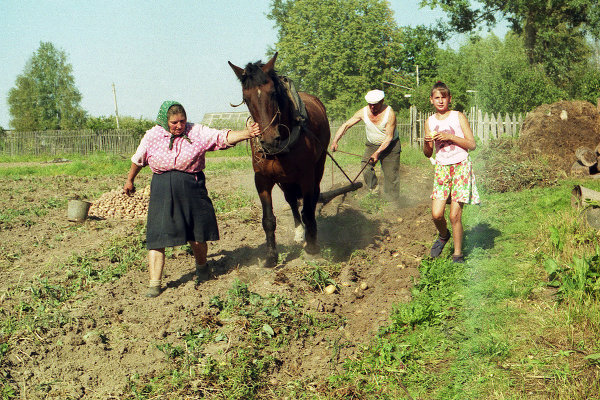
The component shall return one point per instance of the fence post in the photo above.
(507, 125)
(413, 124)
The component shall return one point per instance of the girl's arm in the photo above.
(427, 142)
(467, 143)
(466, 128)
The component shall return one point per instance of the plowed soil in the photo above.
(112, 329)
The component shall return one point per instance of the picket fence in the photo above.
(84, 142)
(485, 126)
(122, 141)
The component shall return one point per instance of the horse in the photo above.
(290, 151)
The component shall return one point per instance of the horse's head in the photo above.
(262, 93)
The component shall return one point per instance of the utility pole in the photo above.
(116, 108)
(417, 75)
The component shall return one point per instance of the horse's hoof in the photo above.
(312, 249)
(270, 262)
(299, 234)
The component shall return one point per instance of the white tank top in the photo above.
(376, 133)
(447, 153)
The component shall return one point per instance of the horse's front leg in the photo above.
(291, 193)
(309, 205)
(264, 188)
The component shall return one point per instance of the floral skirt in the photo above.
(455, 181)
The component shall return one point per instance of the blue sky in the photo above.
(151, 51)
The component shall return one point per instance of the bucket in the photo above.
(77, 210)
(592, 216)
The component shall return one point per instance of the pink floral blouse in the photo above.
(185, 156)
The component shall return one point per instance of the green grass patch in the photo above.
(76, 165)
(520, 317)
(26, 213)
(225, 202)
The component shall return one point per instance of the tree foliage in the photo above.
(336, 50)
(418, 49)
(45, 96)
(553, 30)
(138, 125)
(492, 74)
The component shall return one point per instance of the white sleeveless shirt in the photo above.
(446, 152)
(376, 133)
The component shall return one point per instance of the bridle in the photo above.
(257, 142)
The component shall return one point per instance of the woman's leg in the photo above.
(156, 263)
(200, 250)
(455, 216)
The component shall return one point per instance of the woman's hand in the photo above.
(129, 188)
(254, 130)
(250, 132)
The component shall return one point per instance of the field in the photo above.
(74, 323)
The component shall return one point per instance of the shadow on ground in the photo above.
(480, 236)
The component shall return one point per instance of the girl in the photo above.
(453, 180)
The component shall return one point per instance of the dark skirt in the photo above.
(179, 211)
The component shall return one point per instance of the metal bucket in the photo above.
(77, 210)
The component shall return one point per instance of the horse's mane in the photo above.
(254, 76)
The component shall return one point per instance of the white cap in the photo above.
(374, 96)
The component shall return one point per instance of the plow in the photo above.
(338, 190)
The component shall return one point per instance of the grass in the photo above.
(38, 306)
(519, 320)
(26, 214)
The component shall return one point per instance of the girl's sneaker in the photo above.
(438, 246)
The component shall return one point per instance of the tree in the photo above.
(553, 31)
(418, 48)
(45, 95)
(137, 125)
(493, 74)
(336, 50)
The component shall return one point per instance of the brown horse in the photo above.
(291, 151)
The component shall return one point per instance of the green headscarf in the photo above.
(163, 120)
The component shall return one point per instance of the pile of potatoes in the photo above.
(116, 204)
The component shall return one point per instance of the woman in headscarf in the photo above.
(180, 210)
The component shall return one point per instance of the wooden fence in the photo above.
(52, 143)
(485, 127)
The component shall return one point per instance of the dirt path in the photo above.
(111, 332)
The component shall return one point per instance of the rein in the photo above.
(256, 141)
